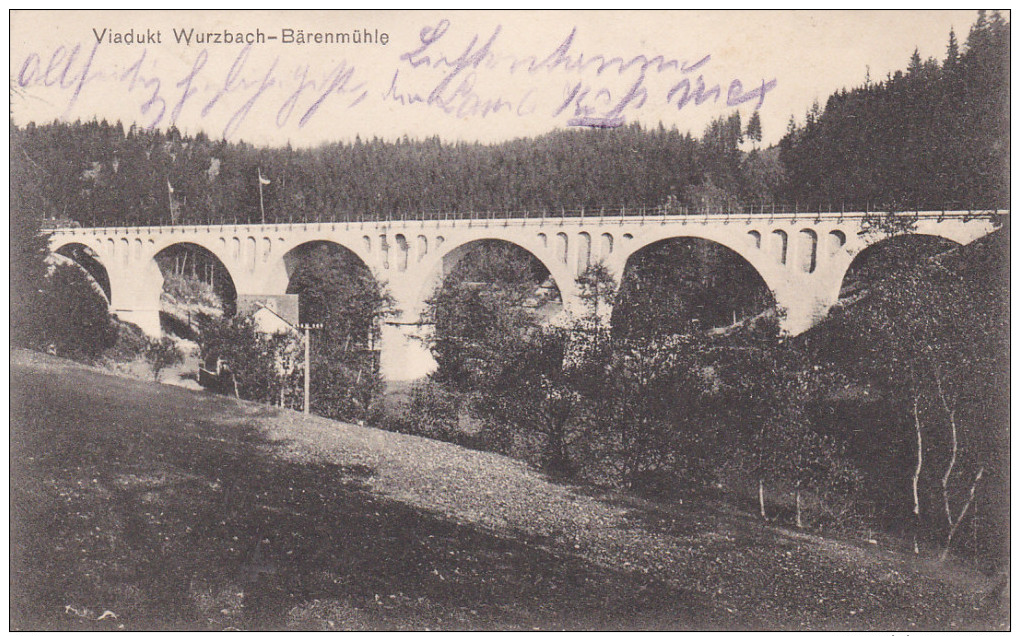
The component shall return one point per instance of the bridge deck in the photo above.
(455, 219)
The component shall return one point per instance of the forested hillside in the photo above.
(934, 137)
(96, 173)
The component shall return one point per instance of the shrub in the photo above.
(433, 410)
(162, 353)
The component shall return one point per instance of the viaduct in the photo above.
(802, 258)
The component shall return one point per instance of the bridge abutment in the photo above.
(146, 319)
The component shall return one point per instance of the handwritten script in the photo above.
(463, 75)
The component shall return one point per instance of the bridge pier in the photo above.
(146, 319)
(404, 355)
(805, 299)
(134, 296)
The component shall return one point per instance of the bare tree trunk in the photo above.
(761, 498)
(951, 414)
(956, 524)
(917, 469)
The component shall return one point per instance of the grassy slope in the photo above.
(175, 509)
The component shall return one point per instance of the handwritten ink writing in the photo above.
(239, 116)
(341, 78)
(153, 83)
(231, 82)
(187, 82)
(735, 96)
(463, 75)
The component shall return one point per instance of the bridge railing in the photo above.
(670, 210)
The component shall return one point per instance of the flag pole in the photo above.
(170, 198)
(262, 207)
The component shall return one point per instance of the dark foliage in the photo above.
(162, 353)
(676, 286)
(339, 292)
(935, 137)
(255, 366)
(76, 321)
(931, 332)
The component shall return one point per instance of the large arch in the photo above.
(451, 254)
(865, 265)
(450, 258)
(299, 256)
(292, 258)
(194, 280)
(478, 276)
(717, 264)
(86, 258)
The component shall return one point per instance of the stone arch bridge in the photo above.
(801, 258)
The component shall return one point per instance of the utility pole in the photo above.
(308, 327)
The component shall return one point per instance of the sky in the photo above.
(459, 75)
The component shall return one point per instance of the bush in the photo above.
(162, 353)
(265, 368)
(432, 411)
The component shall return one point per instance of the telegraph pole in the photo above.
(308, 327)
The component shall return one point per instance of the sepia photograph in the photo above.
(577, 320)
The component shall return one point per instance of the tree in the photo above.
(767, 386)
(75, 318)
(261, 367)
(930, 338)
(914, 66)
(337, 290)
(526, 377)
(480, 314)
(754, 128)
(878, 145)
(28, 245)
(162, 353)
(647, 412)
(952, 52)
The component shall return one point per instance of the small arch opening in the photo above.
(836, 240)
(755, 237)
(808, 250)
(606, 247)
(779, 245)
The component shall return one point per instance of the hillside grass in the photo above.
(136, 505)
